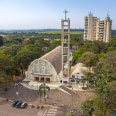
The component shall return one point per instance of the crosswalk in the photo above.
(52, 111)
(40, 113)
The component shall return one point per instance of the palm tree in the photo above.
(42, 91)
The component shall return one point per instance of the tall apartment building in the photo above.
(96, 29)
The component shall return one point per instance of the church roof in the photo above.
(55, 58)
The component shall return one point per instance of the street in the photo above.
(6, 109)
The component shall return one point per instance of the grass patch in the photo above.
(69, 86)
(85, 88)
(59, 32)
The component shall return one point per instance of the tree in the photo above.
(87, 108)
(1, 40)
(78, 54)
(38, 41)
(4, 78)
(26, 55)
(7, 68)
(95, 47)
(106, 66)
(83, 81)
(104, 102)
(7, 64)
(90, 78)
(54, 44)
(106, 95)
(42, 91)
(13, 40)
(12, 49)
(69, 114)
(76, 40)
(112, 44)
(89, 59)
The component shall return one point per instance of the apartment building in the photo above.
(94, 29)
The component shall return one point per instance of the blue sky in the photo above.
(43, 14)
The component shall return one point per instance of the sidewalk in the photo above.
(35, 85)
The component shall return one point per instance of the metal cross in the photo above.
(65, 13)
(108, 14)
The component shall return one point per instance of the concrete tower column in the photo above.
(65, 37)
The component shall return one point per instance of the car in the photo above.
(23, 105)
(18, 105)
(14, 103)
(54, 104)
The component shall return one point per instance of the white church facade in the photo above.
(46, 68)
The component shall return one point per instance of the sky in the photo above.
(44, 14)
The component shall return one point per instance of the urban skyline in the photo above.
(44, 14)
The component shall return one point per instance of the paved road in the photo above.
(55, 96)
(25, 94)
(52, 111)
(6, 109)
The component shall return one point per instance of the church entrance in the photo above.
(48, 79)
(42, 78)
(37, 78)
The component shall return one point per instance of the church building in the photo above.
(47, 68)
(55, 65)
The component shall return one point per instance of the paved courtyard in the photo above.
(25, 94)
(63, 98)
(6, 109)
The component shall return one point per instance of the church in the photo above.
(46, 68)
(55, 65)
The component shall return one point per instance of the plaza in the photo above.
(64, 101)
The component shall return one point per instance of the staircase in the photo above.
(71, 92)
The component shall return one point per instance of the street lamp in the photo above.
(16, 85)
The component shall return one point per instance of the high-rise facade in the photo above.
(94, 29)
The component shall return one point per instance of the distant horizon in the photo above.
(46, 29)
(40, 29)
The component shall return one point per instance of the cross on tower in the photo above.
(108, 14)
(65, 13)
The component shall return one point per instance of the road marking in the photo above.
(40, 113)
(44, 113)
(52, 111)
(50, 114)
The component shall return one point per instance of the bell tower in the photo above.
(65, 38)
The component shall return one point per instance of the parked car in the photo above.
(23, 105)
(14, 103)
(18, 105)
(54, 104)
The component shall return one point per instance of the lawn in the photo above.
(59, 32)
